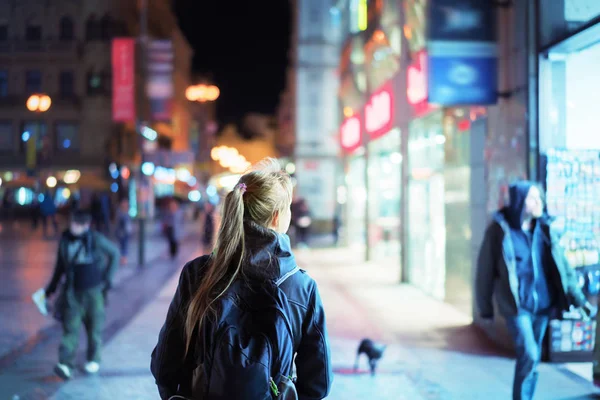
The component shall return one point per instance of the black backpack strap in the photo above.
(282, 279)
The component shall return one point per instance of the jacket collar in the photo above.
(268, 254)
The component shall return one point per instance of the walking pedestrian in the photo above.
(48, 212)
(226, 316)
(523, 266)
(124, 229)
(172, 226)
(303, 223)
(83, 294)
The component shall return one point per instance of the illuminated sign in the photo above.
(351, 134)
(417, 80)
(362, 15)
(462, 51)
(379, 111)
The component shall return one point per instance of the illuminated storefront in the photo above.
(569, 155)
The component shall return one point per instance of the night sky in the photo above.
(243, 45)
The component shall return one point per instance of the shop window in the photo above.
(3, 83)
(33, 81)
(67, 136)
(6, 136)
(67, 83)
(31, 130)
(67, 29)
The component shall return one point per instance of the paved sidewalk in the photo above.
(27, 264)
(433, 353)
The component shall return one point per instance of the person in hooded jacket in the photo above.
(521, 263)
(251, 247)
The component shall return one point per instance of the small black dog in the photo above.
(372, 350)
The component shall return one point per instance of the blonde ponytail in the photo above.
(260, 193)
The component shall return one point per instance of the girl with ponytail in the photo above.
(251, 248)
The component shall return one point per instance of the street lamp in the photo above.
(202, 93)
(39, 103)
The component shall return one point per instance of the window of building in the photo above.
(67, 135)
(6, 136)
(3, 83)
(29, 131)
(92, 28)
(67, 83)
(106, 28)
(33, 81)
(67, 29)
(3, 32)
(33, 32)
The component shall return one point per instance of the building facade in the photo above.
(63, 49)
(421, 179)
(315, 54)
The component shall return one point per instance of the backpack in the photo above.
(253, 347)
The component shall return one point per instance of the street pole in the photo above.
(142, 178)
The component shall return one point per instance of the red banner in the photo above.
(123, 66)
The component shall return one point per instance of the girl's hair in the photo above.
(261, 192)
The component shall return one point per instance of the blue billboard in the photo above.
(462, 53)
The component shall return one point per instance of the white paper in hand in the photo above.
(39, 299)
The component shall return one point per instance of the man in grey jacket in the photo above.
(523, 266)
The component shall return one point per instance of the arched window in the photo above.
(106, 28)
(92, 28)
(66, 29)
(33, 29)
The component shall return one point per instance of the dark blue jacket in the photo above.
(497, 269)
(535, 293)
(268, 256)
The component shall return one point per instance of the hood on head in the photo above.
(518, 192)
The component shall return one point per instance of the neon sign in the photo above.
(350, 134)
(379, 112)
(417, 80)
(417, 84)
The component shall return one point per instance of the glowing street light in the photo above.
(39, 103)
(51, 182)
(202, 93)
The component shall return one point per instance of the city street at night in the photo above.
(433, 351)
(399, 200)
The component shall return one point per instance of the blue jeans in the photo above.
(527, 331)
(124, 245)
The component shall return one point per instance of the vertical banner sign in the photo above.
(123, 62)
(159, 86)
(462, 50)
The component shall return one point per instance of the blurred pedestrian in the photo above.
(336, 225)
(124, 229)
(209, 228)
(521, 264)
(200, 353)
(172, 226)
(303, 223)
(83, 294)
(48, 213)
